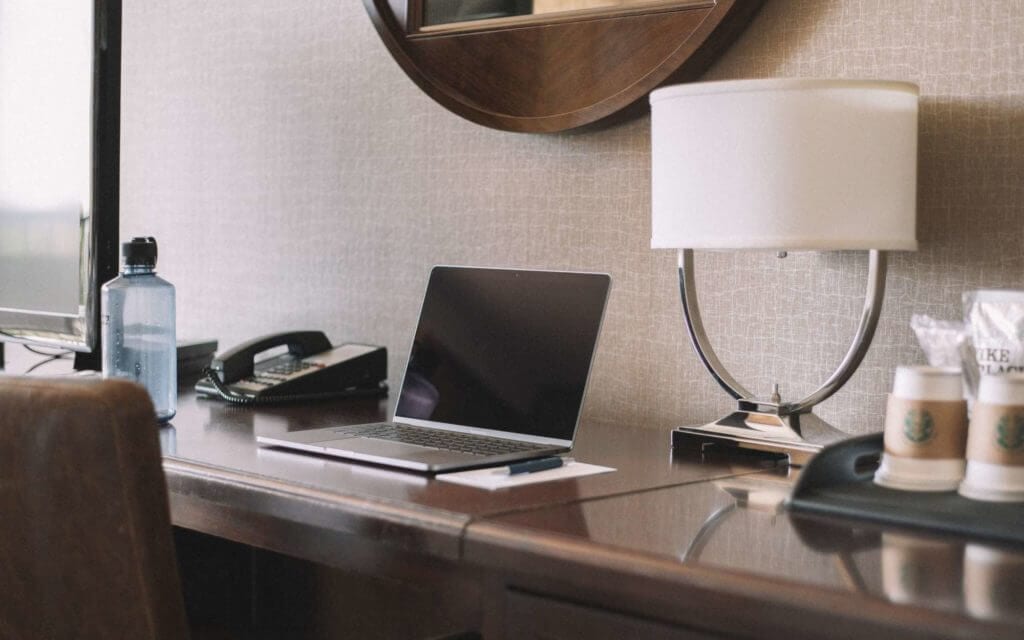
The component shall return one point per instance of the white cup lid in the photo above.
(1007, 388)
(943, 384)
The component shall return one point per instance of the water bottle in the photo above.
(138, 327)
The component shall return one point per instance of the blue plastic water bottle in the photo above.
(138, 327)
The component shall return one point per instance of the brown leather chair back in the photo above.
(86, 548)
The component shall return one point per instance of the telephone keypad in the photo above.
(277, 374)
(288, 369)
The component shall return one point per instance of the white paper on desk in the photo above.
(499, 478)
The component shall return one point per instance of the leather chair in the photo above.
(86, 549)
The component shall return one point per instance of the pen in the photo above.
(540, 464)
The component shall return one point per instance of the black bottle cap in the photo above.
(140, 252)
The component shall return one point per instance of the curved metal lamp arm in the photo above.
(861, 341)
(695, 329)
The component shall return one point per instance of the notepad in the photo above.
(499, 478)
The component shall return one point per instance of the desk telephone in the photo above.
(312, 369)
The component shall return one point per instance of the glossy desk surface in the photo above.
(733, 536)
(211, 459)
(668, 527)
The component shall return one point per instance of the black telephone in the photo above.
(311, 369)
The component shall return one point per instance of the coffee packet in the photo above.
(989, 341)
(994, 322)
(941, 340)
(994, 319)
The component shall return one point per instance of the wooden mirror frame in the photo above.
(554, 72)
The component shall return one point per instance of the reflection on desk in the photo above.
(216, 468)
(740, 526)
(671, 544)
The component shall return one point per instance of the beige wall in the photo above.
(296, 178)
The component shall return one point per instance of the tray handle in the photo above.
(852, 460)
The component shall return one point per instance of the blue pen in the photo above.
(540, 464)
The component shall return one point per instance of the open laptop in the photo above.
(497, 373)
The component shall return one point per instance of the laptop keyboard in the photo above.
(439, 439)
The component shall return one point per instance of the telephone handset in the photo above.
(311, 369)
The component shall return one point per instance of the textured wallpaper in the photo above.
(296, 178)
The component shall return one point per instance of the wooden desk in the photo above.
(704, 557)
(657, 549)
(222, 483)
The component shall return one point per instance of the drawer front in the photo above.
(531, 617)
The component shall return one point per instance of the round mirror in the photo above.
(551, 65)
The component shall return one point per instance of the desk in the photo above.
(657, 549)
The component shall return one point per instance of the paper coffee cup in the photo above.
(992, 579)
(925, 431)
(995, 444)
(922, 571)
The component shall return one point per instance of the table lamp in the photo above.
(782, 165)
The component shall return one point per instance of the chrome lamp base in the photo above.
(797, 436)
(786, 428)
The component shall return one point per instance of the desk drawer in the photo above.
(531, 617)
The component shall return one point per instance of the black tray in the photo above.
(838, 482)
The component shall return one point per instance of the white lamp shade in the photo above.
(784, 164)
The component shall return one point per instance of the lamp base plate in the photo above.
(799, 436)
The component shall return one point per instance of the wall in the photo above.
(296, 178)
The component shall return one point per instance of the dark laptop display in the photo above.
(504, 350)
(497, 373)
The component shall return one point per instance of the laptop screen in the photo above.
(503, 349)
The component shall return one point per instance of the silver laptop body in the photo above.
(497, 372)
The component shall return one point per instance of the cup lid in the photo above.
(943, 384)
(1005, 388)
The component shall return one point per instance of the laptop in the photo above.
(497, 373)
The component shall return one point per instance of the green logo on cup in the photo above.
(1010, 434)
(918, 425)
